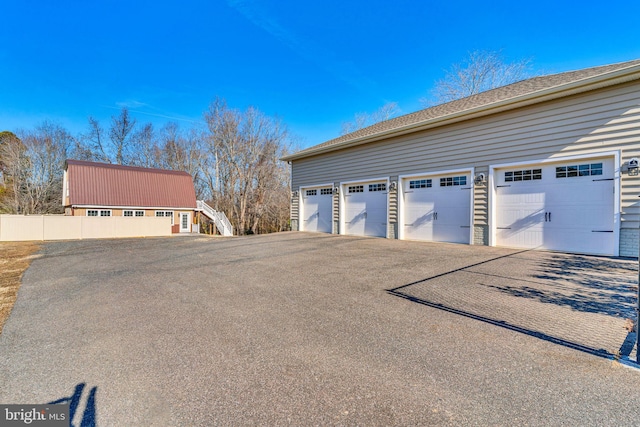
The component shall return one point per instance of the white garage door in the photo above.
(566, 206)
(366, 209)
(437, 208)
(316, 209)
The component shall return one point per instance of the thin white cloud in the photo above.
(131, 104)
(159, 114)
(307, 49)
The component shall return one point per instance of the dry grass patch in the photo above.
(15, 258)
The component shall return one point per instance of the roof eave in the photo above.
(591, 83)
(98, 206)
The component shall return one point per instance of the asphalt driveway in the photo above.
(305, 329)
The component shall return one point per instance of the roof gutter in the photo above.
(590, 83)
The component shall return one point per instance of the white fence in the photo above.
(58, 227)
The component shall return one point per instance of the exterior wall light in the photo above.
(336, 190)
(632, 167)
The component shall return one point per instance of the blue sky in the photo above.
(314, 64)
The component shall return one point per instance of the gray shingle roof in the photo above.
(480, 100)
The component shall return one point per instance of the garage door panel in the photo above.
(424, 232)
(365, 210)
(435, 212)
(579, 218)
(451, 233)
(596, 243)
(580, 192)
(419, 218)
(514, 196)
(530, 237)
(317, 210)
(568, 207)
(520, 218)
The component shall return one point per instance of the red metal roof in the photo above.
(101, 184)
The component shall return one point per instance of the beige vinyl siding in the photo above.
(336, 210)
(603, 120)
(392, 223)
(295, 212)
(393, 201)
(480, 198)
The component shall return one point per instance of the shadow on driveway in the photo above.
(586, 303)
(88, 416)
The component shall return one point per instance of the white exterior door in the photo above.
(437, 208)
(366, 209)
(185, 222)
(566, 206)
(317, 206)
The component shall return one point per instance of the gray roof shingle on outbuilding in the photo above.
(485, 100)
(102, 184)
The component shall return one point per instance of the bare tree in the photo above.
(144, 148)
(234, 162)
(93, 144)
(184, 152)
(362, 120)
(113, 145)
(6, 137)
(243, 164)
(120, 136)
(9, 143)
(33, 165)
(481, 71)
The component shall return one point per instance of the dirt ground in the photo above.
(15, 258)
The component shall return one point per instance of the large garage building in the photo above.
(545, 163)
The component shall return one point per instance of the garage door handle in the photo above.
(503, 228)
(602, 231)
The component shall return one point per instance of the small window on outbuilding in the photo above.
(165, 214)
